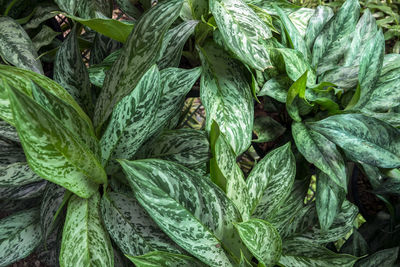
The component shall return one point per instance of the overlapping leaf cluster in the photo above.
(95, 172)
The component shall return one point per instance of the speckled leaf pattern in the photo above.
(131, 121)
(19, 236)
(226, 96)
(129, 8)
(67, 5)
(270, 181)
(28, 191)
(189, 208)
(243, 31)
(268, 6)
(317, 22)
(52, 199)
(8, 132)
(187, 147)
(44, 37)
(174, 41)
(17, 174)
(51, 149)
(16, 47)
(97, 72)
(94, 8)
(321, 152)
(10, 154)
(122, 214)
(85, 242)
(331, 38)
(262, 239)
(384, 257)
(277, 88)
(164, 259)
(139, 54)
(306, 254)
(365, 139)
(328, 200)
(71, 73)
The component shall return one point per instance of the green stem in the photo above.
(10, 6)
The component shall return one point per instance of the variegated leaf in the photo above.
(71, 73)
(94, 8)
(51, 149)
(16, 47)
(268, 6)
(139, 54)
(131, 121)
(20, 235)
(262, 239)
(69, 6)
(267, 129)
(44, 37)
(8, 132)
(42, 12)
(10, 153)
(122, 214)
(28, 191)
(321, 152)
(174, 41)
(270, 182)
(277, 88)
(343, 77)
(317, 22)
(300, 19)
(129, 8)
(365, 139)
(17, 174)
(226, 96)
(199, 8)
(243, 32)
(201, 223)
(384, 257)
(85, 242)
(103, 47)
(164, 259)
(97, 72)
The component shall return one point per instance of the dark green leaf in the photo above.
(385, 257)
(267, 129)
(44, 37)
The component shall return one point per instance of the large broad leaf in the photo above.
(129, 8)
(201, 223)
(123, 214)
(385, 257)
(71, 73)
(365, 139)
(317, 22)
(20, 235)
(328, 200)
(17, 174)
(94, 8)
(16, 47)
(332, 40)
(8, 132)
(52, 150)
(42, 12)
(243, 32)
(85, 242)
(164, 259)
(226, 96)
(131, 121)
(28, 191)
(300, 19)
(140, 53)
(306, 254)
(321, 152)
(270, 182)
(262, 239)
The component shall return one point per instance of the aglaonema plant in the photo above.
(95, 172)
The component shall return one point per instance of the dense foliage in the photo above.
(96, 170)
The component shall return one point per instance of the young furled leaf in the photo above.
(85, 242)
(226, 96)
(164, 259)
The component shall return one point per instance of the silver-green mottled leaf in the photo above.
(139, 54)
(52, 150)
(128, 7)
(8, 132)
(201, 223)
(268, 6)
(122, 214)
(277, 88)
(94, 8)
(102, 48)
(131, 121)
(42, 13)
(270, 182)
(53, 196)
(267, 129)
(317, 22)
(226, 96)
(262, 239)
(366, 139)
(343, 77)
(321, 152)
(44, 37)
(19, 236)
(28, 191)
(243, 31)
(85, 242)
(17, 174)
(300, 19)
(164, 259)
(97, 72)
(10, 153)
(16, 47)
(384, 257)
(71, 73)
(69, 6)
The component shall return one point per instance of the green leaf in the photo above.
(131, 121)
(262, 239)
(94, 8)
(306, 254)
(277, 88)
(328, 200)
(97, 72)
(270, 182)
(20, 235)
(42, 13)
(342, 77)
(365, 139)
(200, 224)
(296, 94)
(128, 7)
(71, 73)
(28, 191)
(268, 6)
(17, 174)
(69, 6)
(317, 22)
(164, 259)
(300, 19)
(8, 132)
(243, 32)
(10, 154)
(385, 257)
(321, 152)
(356, 245)
(267, 129)
(16, 47)
(52, 150)
(226, 96)
(85, 242)
(44, 37)
(199, 8)
(122, 214)
(139, 54)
